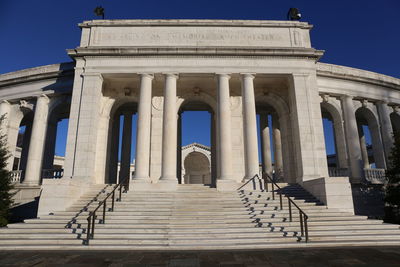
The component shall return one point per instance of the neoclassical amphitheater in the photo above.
(248, 75)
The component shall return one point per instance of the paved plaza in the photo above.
(354, 256)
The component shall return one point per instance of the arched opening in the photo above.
(55, 143)
(197, 169)
(370, 140)
(270, 143)
(22, 144)
(121, 143)
(196, 125)
(275, 139)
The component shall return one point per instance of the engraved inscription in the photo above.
(193, 36)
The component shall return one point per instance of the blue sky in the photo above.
(361, 34)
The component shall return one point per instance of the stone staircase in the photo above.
(196, 217)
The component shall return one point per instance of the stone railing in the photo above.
(338, 172)
(16, 176)
(375, 176)
(52, 173)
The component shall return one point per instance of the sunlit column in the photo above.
(37, 141)
(224, 128)
(265, 143)
(142, 159)
(169, 138)
(249, 126)
(276, 134)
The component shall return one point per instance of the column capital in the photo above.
(171, 75)
(344, 97)
(146, 74)
(248, 75)
(223, 75)
(92, 74)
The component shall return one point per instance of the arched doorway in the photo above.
(197, 168)
(121, 142)
(193, 105)
(275, 139)
(370, 139)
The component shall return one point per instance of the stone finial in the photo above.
(325, 98)
(364, 103)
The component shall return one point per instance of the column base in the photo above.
(227, 185)
(140, 184)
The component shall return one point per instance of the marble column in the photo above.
(249, 126)
(276, 135)
(5, 109)
(124, 172)
(113, 169)
(225, 180)
(169, 138)
(36, 147)
(142, 159)
(363, 146)
(386, 128)
(351, 133)
(265, 144)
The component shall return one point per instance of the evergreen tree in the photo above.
(392, 188)
(5, 181)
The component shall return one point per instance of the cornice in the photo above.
(195, 51)
(353, 74)
(37, 73)
(195, 22)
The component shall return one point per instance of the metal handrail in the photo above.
(254, 177)
(303, 216)
(91, 219)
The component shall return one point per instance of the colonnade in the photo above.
(355, 148)
(351, 147)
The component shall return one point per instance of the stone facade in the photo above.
(155, 69)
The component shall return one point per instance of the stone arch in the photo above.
(196, 164)
(21, 114)
(197, 97)
(366, 116)
(282, 111)
(109, 121)
(209, 101)
(59, 108)
(334, 110)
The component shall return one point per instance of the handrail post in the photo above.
(306, 226)
(88, 230)
(290, 209)
(120, 192)
(93, 223)
(301, 223)
(104, 211)
(113, 200)
(280, 201)
(273, 191)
